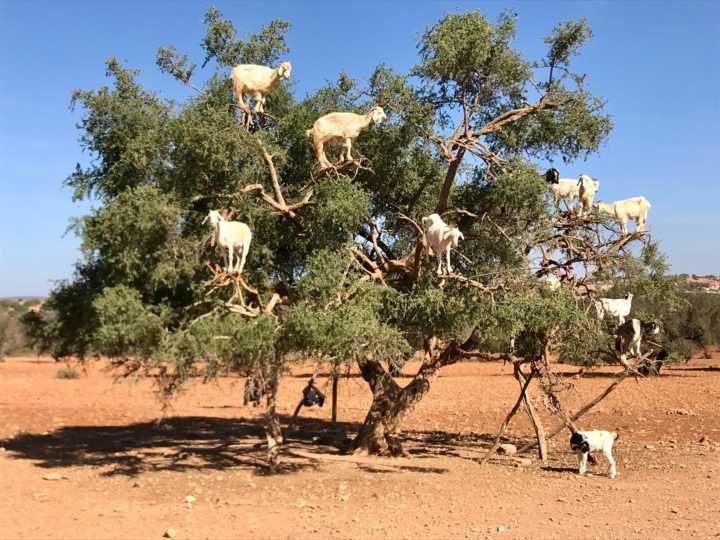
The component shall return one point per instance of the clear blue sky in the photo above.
(656, 63)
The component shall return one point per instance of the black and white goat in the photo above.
(584, 442)
(629, 337)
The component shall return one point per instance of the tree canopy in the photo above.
(338, 270)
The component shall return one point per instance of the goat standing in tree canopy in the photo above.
(341, 128)
(256, 81)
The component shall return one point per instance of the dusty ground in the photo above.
(123, 477)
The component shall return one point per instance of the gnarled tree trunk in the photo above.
(273, 430)
(379, 434)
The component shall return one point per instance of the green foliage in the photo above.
(221, 44)
(140, 294)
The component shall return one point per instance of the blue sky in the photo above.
(656, 64)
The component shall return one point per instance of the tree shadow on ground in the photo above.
(177, 444)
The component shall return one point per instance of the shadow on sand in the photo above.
(214, 444)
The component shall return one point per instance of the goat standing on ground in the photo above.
(618, 307)
(584, 442)
(441, 237)
(256, 81)
(341, 128)
(232, 236)
(636, 208)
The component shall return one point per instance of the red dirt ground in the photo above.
(123, 477)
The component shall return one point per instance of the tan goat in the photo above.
(256, 81)
(341, 128)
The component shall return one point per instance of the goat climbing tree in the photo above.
(338, 268)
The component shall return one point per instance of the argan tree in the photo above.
(339, 269)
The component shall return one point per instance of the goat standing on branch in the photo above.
(441, 237)
(587, 188)
(256, 81)
(636, 208)
(617, 307)
(341, 128)
(232, 236)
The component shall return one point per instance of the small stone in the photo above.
(649, 447)
(674, 510)
(170, 533)
(356, 519)
(507, 449)
(522, 462)
(301, 503)
(703, 439)
(198, 490)
(190, 499)
(500, 529)
(562, 499)
(344, 498)
(53, 476)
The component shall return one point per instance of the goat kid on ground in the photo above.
(584, 442)
(442, 238)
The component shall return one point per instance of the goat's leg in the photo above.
(320, 153)
(242, 258)
(229, 266)
(257, 96)
(347, 147)
(582, 462)
(611, 461)
(239, 96)
(447, 256)
(439, 258)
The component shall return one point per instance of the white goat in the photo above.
(256, 81)
(629, 337)
(233, 236)
(566, 189)
(441, 237)
(588, 187)
(618, 307)
(341, 128)
(569, 189)
(584, 442)
(636, 208)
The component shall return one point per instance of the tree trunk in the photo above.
(273, 431)
(379, 434)
(534, 419)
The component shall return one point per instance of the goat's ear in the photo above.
(205, 220)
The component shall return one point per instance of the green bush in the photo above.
(67, 373)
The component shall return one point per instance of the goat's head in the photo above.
(429, 221)
(284, 70)
(377, 114)
(214, 217)
(588, 183)
(650, 328)
(552, 176)
(629, 296)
